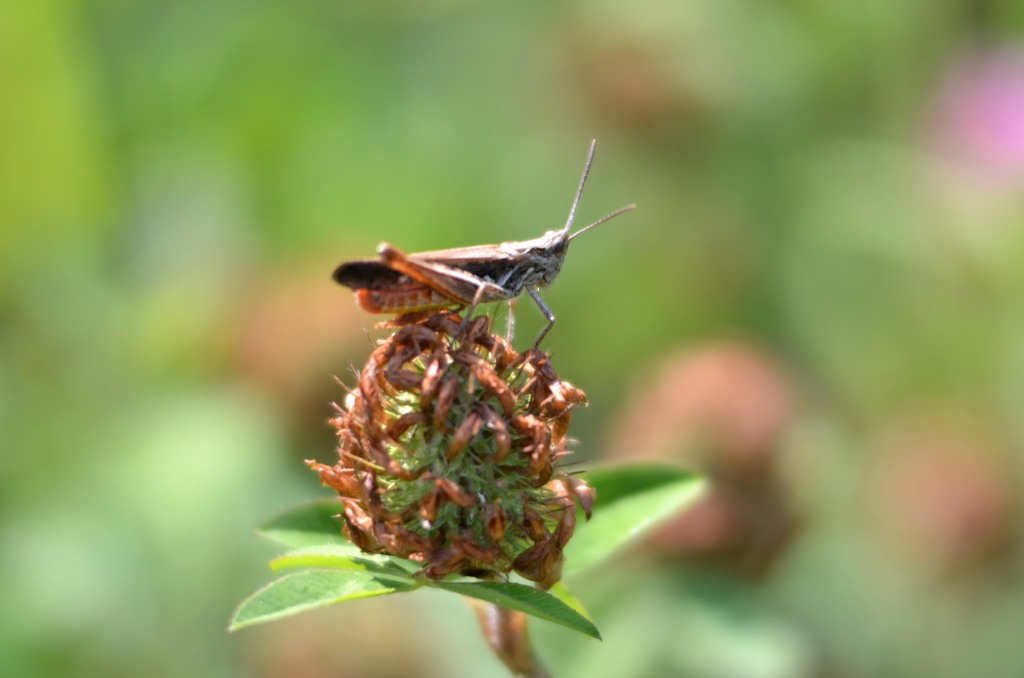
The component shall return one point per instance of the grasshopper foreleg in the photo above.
(477, 298)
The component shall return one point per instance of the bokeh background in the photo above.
(819, 302)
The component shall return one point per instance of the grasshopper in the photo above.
(466, 276)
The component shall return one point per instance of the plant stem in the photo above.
(507, 635)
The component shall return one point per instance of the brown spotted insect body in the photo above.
(465, 276)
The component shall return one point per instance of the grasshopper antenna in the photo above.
(622, 210)
(579, 191)
(579, 194)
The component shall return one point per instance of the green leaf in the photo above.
(631, 500)
(524, 598)
(295, 593)
(562, 592)
(347, 557)
(307, 524)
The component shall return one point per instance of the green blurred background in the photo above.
(819, 302)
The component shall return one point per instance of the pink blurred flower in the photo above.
(979, 114)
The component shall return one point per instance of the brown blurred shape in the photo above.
(722, 409)
(295, 326)
(943, 492)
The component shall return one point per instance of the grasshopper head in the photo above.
(548, 251)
